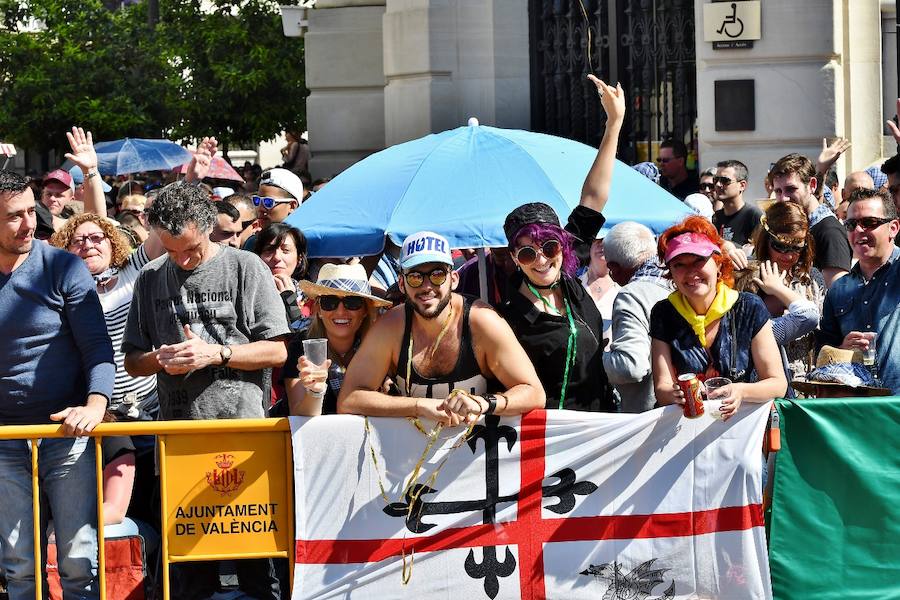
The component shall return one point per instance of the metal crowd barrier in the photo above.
(187, 442)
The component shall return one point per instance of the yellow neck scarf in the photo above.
(721, 304)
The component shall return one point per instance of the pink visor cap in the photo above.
(691, 243)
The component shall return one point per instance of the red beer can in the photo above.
(693, 395)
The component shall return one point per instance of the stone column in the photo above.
(818, 74)
(447, 60)
(345, 76)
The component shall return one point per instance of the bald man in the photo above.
(855, 181)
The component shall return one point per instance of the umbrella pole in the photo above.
(482, 274)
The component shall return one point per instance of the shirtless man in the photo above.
(447, 342)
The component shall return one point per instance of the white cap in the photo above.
(700, 204)
(284, 179)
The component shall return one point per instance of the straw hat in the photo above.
(342, 280)
(840, 370)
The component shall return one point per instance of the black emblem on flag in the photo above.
(637, 584)
(414, 509)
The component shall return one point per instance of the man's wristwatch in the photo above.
(491, 399)
(225, 354)
(90, 174)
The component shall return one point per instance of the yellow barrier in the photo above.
(217, 479)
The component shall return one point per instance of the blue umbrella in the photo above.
(122, 157)
(462, 183)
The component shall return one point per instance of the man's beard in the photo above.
(430, 314)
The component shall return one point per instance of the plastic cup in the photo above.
(714, 405)
(869, 354)
(316, 351)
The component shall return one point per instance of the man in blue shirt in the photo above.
(866, 301)
(57, 365)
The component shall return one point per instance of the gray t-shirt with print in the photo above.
(230, 300)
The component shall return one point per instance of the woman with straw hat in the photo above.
(344, 309)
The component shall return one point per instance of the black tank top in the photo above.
(466, 374)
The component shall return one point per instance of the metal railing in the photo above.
(163, 430)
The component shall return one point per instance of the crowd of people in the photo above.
(194, 302)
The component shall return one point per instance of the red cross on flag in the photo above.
(556, 504)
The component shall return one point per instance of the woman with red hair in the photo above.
(706, 327)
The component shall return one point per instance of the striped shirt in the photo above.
(134, 398)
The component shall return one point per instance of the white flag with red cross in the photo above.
(555, 504)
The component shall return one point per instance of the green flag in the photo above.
(835, 528)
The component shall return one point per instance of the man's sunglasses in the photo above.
(725, 181)
(415, 279)
(707, 186)
(331, 302)
(867, 223)
(269, 203)
(526, 255)
(782, 248)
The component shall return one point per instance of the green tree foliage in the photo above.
(227, 71)
(85, 65)
(243, 80)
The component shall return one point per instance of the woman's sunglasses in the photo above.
(269, 203)
(415, 279)
(525, 255)
(782, 248)
(350, 302)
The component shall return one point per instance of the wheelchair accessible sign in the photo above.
(731, 24)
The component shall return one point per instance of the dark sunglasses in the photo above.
(725, 181)
(663, 161)
(867, 223)
(415, 279)
(269, 203)
(528, 254)
(707, 186)
(782, 248)
(350, 302)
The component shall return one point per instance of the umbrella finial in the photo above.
(473, 122)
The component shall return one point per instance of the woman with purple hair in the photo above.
(549, 310)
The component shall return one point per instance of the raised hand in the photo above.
(830, 153)
(83, 153)
(202, 160)
(611, 98)
(892, 125)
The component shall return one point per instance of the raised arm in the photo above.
(829, 155)
(85, 158)
(595, 191)
(199, 166)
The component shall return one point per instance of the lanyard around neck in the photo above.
(570, 343)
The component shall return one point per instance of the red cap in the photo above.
(59, 175)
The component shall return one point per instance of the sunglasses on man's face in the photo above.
(331, 302)
(526, 255)
(415, 279)
(269, 203)
(783, 248)
(867, 223)
(705, 187)
(724, 181)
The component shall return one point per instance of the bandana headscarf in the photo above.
(721, 304)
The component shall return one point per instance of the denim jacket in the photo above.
(853, 304)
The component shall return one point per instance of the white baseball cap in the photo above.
(284, 179)
(424, 247)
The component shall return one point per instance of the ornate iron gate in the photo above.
(647, 45)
